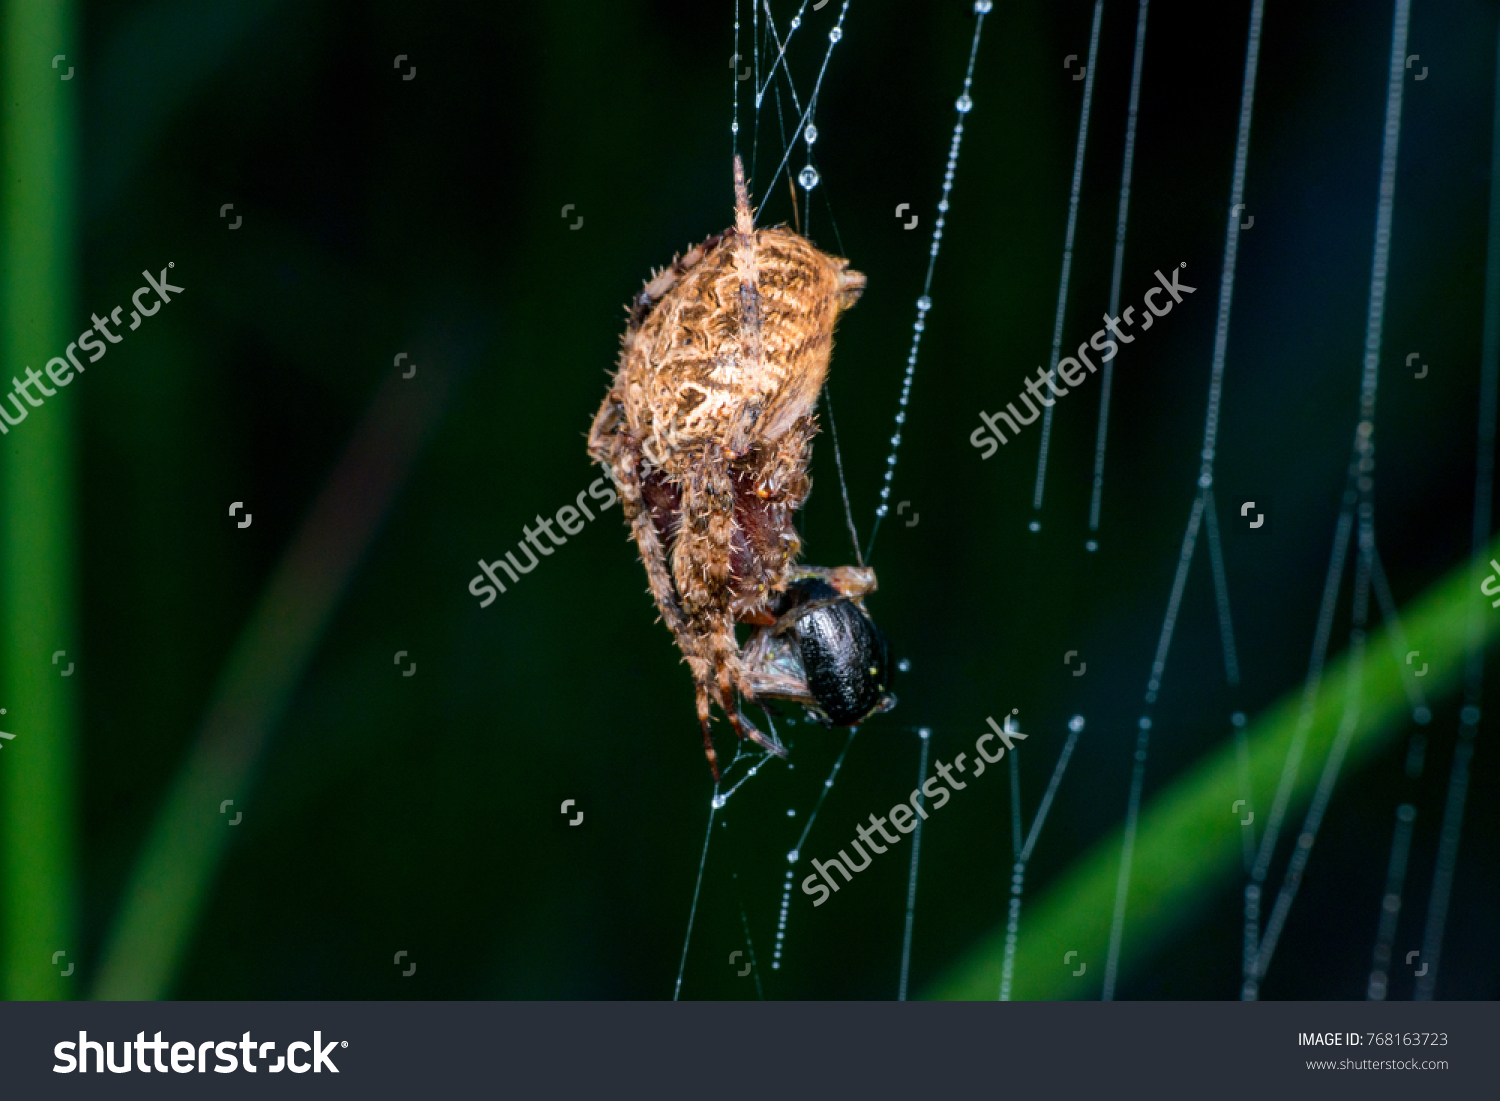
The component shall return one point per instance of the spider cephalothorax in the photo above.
(707, 430)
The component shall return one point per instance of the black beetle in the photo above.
(846, 660)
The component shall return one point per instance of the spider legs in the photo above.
(732, 684)
(704, 717)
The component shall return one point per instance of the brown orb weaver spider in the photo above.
(707, 431)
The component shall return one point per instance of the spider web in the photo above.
(772, 50)
(775, 45)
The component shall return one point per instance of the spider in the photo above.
(706, 432)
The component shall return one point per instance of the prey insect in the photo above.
(707, 432)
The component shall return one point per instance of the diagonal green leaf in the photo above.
(1188, 848)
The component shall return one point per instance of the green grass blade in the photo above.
(1189, 848)
(170, 881)
(37, 875)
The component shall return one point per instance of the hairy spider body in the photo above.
(707, 430)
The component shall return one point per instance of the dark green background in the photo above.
(382, 215)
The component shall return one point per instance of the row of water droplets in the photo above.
(796, 852)
(808, 177)
(808, 131)
(963, 105)
(1023, 851)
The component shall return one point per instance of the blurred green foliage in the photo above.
(384, 813)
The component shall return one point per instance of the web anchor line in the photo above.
(1231, 675)
(1313, 820)
(796, 853)
(687, 939)
(1067, 257)
(916, 854)
(808, 177)
(963, 105)
(1203, 501)
(760, 92)
(1106, 382)
(1360, 492)
(1468, 729)
(1390, 905)
(1023, 853)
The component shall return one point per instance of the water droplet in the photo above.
(734, 128)
(1238, 718)
(1421, 716)
(1091, 545)
(796, 21)
(1075, 724)
(982, 7)
(943, 206)
(965, 104)
(791, 857)
(923, 733)
(1145, 723)
(924, 303)
(904, 665)
(835, 34)
(791, 813)
(808, 178)
(719, 801)
(810, 135)
(1035, 525)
